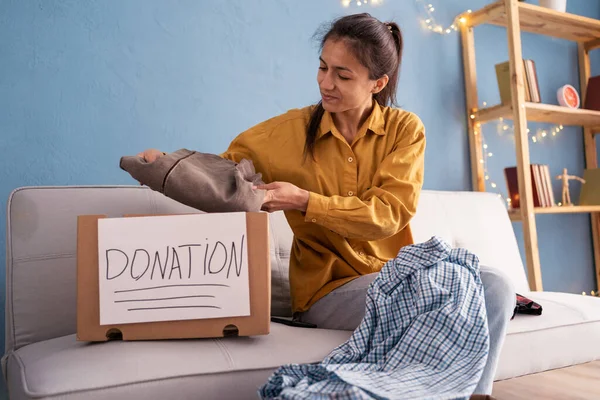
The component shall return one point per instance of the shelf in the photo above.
(541, 20)
(516, 216)
(549, 113)
(518, 17)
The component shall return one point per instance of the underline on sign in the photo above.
(163, 298)
(162, 308)
(168, 286)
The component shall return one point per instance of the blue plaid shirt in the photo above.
(424, 335)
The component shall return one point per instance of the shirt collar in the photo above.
(375, 122)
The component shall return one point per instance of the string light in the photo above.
(539, 135)
(596, 294)
(347, 3)
(430, 23)
(487, 154)
(503, 128)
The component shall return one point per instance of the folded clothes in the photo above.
(203, 181)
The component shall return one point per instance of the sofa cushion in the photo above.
(567, 333)
(280, 247)
(204, 368)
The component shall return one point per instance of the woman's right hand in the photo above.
(151, 155)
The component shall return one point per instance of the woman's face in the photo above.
(343, 81)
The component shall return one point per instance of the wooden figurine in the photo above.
(566, 197)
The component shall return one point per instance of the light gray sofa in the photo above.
(43, 359)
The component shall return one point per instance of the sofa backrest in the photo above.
(476, 221)
(42, 231)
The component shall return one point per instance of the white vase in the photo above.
(558, 5)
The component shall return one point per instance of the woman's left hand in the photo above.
(284, 196)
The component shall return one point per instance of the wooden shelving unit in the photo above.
(520, 17)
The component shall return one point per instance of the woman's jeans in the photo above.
(344, 309)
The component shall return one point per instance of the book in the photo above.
(512, 183)
(549, 181)
(530, 81)
(592, 94)
(541, 186)
(590, 190)
(534, 87)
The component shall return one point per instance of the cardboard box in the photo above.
(88, 292)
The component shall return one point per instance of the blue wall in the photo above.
(83, 83)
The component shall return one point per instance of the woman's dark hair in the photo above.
(377, 45)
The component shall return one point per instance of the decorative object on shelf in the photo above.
(590, 190)
(558, 5)
(596, 294)
(568, 97)
(566, 197)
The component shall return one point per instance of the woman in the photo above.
(348, 173)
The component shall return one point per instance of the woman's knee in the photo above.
(498, 289)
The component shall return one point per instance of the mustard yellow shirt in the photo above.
(362, 195)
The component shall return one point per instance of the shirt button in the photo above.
(350, 159)
(350, 193)
(314, 220)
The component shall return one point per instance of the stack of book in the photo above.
(541, 183)
(532, 89)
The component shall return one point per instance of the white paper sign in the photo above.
(173, 268)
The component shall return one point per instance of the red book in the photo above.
(512, 183)
(592, 95)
